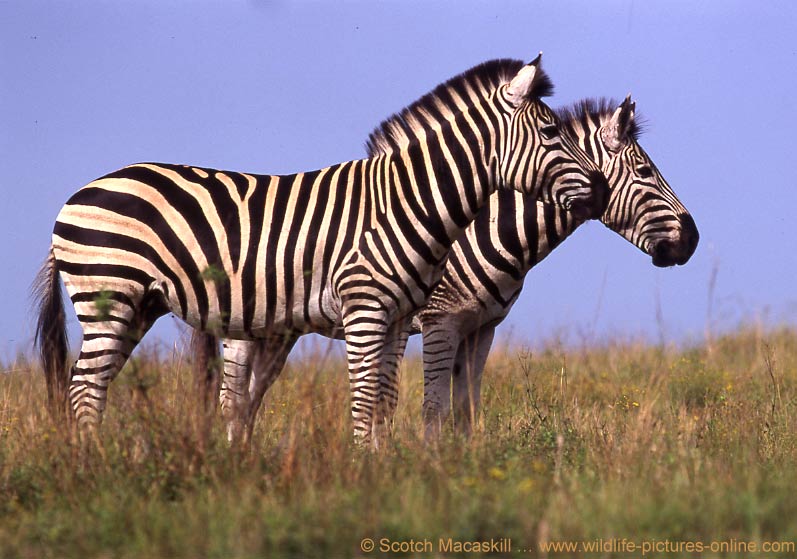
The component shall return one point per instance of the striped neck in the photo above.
(446, 174)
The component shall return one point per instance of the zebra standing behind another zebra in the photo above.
(488, 264)
(487, 267)
(352, 249)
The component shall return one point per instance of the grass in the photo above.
(625, 440)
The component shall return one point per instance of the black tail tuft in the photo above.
(51, 336)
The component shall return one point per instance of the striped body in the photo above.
(488, 264)
(487, 267)
(209, 241)
(351, 250)
(239, 254)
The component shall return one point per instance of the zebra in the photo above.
(488, 264)
(348, 251)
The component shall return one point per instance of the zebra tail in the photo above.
(51, 336)
(207, 364)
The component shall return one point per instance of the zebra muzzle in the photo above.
(668, 252)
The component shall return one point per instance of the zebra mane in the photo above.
(594, 111)
(400, 129)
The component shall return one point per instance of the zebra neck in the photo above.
(516, 232)
(546, 227)
(441, 183)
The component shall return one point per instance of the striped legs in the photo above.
(105, 350)
(371, 341)
(234, 393)
(440, 344)
(447, 358)
(468, 370)
(250, 368)
(389, 378)
(374, 353)
(112, 326)
(363, 356)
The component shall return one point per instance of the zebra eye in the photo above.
(644, 171)
(549, 131)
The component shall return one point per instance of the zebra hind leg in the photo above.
(204, 347)
(269, 360)
(112, 324)
(206, 361)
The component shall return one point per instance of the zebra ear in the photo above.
(618, 130)
(523, 84)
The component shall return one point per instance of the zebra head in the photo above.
(536, 158)
(642, 207)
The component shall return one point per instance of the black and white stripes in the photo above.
(351, 250)
(488, 264)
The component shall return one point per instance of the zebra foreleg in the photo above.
(366, 333)
(468, 371)
(441, 341)
(390, 377)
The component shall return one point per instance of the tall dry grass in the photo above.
(623, 440)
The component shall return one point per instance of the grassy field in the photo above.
(624, 440)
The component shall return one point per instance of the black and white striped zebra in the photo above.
(488, 264)
(350, 250)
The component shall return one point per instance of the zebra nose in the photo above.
(667, 252)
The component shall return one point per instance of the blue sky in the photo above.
(270, 87)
